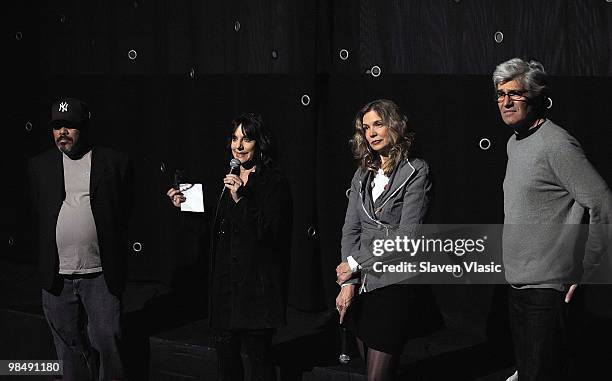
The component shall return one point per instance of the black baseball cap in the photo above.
(69, 112)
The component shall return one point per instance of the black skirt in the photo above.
(386, 317)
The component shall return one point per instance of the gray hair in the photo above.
(531, 75)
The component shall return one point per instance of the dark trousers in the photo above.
(84, 318)
(258, 345)
(538, 323)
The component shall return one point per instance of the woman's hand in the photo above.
(344, 300)
(176, 197)
(233, 182)
(343, 272)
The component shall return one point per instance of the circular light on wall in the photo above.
(18, 36)
(274, 54)
(498, 37)
(549, 99)
(344, 54)
(311, 231)
(11, 241)
(28, 126)
(132, 54)
(192, 73)
(375, 71)
(236, 25)
(305, 100)
(484, 144)
(137, 247)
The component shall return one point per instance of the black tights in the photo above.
(381, 365)
(258, 347)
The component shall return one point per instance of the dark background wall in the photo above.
(199, 63)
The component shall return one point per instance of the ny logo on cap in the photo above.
(63, 107)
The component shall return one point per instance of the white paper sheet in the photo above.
(194, 198)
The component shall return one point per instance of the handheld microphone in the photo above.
(234, 165)
(234, 168)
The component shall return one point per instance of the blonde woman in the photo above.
(390, 195)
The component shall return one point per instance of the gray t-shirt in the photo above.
(75, 233)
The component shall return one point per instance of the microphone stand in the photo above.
(344, 357)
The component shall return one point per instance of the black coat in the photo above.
(253, 240)
(110, 191)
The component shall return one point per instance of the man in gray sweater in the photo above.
(549, 188)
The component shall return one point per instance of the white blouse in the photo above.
(378, 184)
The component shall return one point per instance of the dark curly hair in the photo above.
(253, 127)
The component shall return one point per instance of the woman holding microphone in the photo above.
(389, 196)
(250, 244)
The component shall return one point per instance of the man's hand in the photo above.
(570, 293)
(343, 272)
(344, 300)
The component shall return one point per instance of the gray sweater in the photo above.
(548, 187)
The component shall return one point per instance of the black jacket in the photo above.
(256, 239)
(110, 191)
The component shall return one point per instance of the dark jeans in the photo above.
(258, 344)
(85, 304)
(538, 322)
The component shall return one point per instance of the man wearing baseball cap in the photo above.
(79, 191)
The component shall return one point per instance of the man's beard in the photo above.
(77, 149)
(65, 148)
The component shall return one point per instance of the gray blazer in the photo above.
(399, 210)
